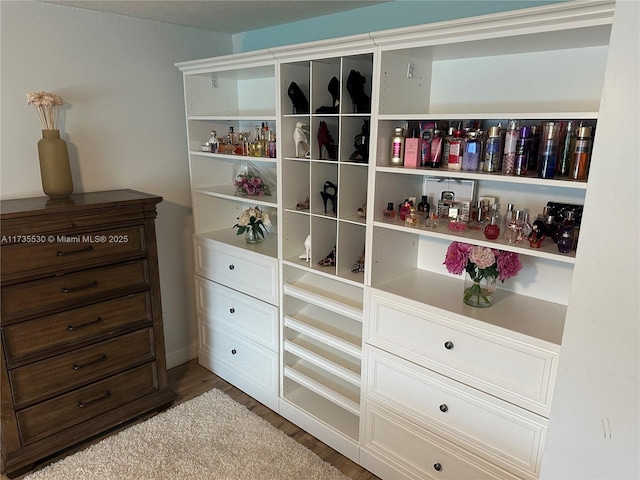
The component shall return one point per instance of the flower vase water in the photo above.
(479, 293)
(251, 236)
(253, 223)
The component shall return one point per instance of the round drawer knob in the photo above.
(232, 310)
(444, 408)
(233, 351)
(448, 345)
(437, 467)
(232, 266)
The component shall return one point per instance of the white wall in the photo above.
(594, 429)
(123, 120)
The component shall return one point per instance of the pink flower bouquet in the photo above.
(250, 184)
(481, 262)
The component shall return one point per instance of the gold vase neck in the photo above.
(50, 133)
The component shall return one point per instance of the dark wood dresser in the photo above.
(82, 338)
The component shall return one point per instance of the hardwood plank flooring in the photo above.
(191, 379)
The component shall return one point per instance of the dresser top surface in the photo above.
(20, 207)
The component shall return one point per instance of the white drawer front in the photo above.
(492, 428)
(235, 311)
(499, 365)
(252, 362)
(395, 448)
(253, 274)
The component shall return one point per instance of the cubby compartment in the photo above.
(324, 178)
(352, 193)
(322, 71)
(351, 249)
(295, 230)
(298, 73)
(355, 129)
(323, 244)
(296, 175)
(330, 151)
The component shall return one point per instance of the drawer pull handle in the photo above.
(80, 287)
(106, 394)
(71, 328)
(233, 351)
(443, 408)
(448, 345)
(437, 467)
(232, 310)
(102, 358)
(232, 266)
(60, 253)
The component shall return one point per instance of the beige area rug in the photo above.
(208, 437)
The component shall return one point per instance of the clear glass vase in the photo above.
(479, 293)
(251, 236)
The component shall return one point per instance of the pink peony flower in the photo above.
(483, 257)
(508, 265)
(457, 257)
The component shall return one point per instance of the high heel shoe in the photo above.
(300, 139)
(361, 143)
(355, 87)
(326, 140)
(334, 90)
(329, 260)
(304, 205)
(332, 196)
(359, 265)
(300, 102)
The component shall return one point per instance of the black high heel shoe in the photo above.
(355, 87)
(300, 102)
(361, 143)
(329, 260)
(326, 140)
(327, 195)
(334, 90)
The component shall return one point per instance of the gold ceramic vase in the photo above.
(55, 171)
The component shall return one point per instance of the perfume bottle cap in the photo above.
(390, 206)
(584, 132)
(399, 130)
(569, 215)
(494, 131)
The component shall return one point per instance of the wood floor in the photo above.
(190, 380)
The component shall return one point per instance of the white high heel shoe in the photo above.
(301, 140)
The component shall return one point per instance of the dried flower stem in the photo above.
(46, 105)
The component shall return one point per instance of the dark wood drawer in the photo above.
(41, 296)
(49, 377)
(66, 251)
(81, 405)
(63, 330)
(70, 223)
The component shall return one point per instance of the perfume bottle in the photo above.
(581, 154)
(508, 215)
(510, 143)
(493, 151)
(548, 155)
(397, 148)
(411, 219)
(432, 221)
(492, 231)
(255, 147)
(477, 217)
(495, 212)
(214, 143)
(413, 150)
(535, 147)
(513, 231)
(424, 207)
(523, 146)
(567, 146)
(404, 209)
(389, 213)
(538, 234)
(566, 233)
(471, 156)
(455, 151)
(526, 226)
(436, 149)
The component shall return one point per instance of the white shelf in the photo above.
(228, 192)
(531, 317)
(548, 250)
(328, 328)
(342, 395)
(233, 118)
(228, 236)
(485, 176)
(590, 115)
(323, 359)
(233, 157)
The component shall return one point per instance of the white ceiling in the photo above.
(224, 16)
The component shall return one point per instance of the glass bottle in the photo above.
(229, 147)
(446, 145)
(551, 228)
(548, 155)
(271, 144)
(432, 221)
(513, 232)
(214, 143)
(389, 213)
(581, 154)
(404, 209)
(471, 156)
(493, 151)
(424, 207)
(566, 233)
(239, 147)
(492, 231)
(411, 219)
(510, 143)
(567, 145)
(508, 215)
(535, 148)
(523, 146)
(455, 151)
(495, 212)
(397, 148)
(526, 226)
(255, 147)
(477, 217)
(436, 149)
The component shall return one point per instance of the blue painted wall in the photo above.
(395, 14)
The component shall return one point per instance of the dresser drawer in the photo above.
(85, 249)
(88, 402)
(55, 332)
(235, 311)
(511, 436)
(251, 273)
(238, 360)
(66, 290)
(511, 369)
(49, 377)
(72, 223)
